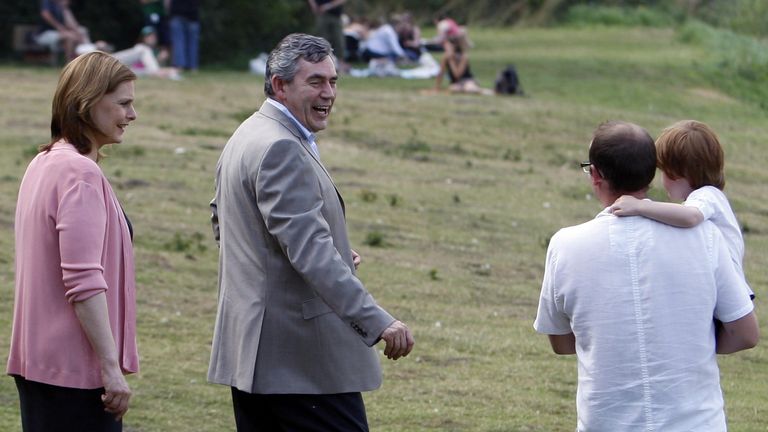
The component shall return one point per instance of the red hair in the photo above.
(690, 149)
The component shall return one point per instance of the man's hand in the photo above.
(117, 394)
(356, 259)
(626, 205)
(399, 340)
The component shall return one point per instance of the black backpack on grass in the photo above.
(508, 82)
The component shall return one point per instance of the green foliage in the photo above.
(740, 65)
(495, 13)
(15, 12)
(742, 16)
(117, 22)
(29, 152)
(617, 16)
(746, 229)
(241, 115)
(236, 30)
(394, 200)
(375, 239)
(423, 10)
(210, 132)
(232, 31)
(135, 151)
(433, 274)
(414, 145)
(184, 242)
(512, 154)
(368, 195)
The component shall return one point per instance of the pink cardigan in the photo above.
(72, 242)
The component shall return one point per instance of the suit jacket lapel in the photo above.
(270, 111)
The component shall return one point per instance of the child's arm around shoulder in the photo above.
(669, 213)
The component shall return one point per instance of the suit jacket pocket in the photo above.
(314, 307)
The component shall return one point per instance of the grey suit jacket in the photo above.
(292, 316)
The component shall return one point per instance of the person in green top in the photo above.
(155, 16)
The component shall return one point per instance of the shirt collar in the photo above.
(304, 131)
(606, 212)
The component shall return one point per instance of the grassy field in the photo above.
(451, 201)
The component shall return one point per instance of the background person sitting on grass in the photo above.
(59, 27)
(455, 63)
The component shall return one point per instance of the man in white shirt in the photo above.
(635, 300)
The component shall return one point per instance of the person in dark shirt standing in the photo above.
(185, 33)
(328, 25)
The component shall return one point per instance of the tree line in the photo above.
(235, 30)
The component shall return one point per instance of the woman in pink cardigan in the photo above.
(74, 323)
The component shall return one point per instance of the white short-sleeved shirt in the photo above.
(714, 206)
(640, 297)
(383, 41)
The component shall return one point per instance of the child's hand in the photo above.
(626, 205)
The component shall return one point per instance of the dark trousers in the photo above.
(50, 408)
(341, 412)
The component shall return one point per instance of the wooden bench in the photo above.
(28, 49)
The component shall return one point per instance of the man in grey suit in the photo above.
(295, 327)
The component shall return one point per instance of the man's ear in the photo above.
(278, 87)
(597, 179)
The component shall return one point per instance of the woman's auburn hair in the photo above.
(82, 84)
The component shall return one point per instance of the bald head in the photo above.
(624, 155)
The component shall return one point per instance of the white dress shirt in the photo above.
(640, 298)
(309, 136)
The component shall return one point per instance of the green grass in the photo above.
(451, 201)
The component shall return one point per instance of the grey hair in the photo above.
(283, 61)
